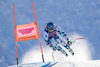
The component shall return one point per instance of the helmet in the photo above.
(50, 26)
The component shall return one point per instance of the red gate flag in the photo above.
(27, 32)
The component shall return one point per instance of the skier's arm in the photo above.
(63, 34)
(48, 41)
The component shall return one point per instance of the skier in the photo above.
(53, 36)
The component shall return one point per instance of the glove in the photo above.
(69, 43)
(54, 48)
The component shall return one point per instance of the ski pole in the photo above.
(53, 56)
(78, 39)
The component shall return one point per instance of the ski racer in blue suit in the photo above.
(53, 36)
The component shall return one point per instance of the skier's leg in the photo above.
(59, 40)
(58, 47)
(62, 51)
(69, 49)
(56, 38)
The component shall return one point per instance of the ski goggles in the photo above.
(50, 30)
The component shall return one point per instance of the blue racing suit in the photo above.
(54, 38)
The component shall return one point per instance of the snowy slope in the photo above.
(40, 64)
(95, 63)
(81, 48)
(82, 57)
(77, 64)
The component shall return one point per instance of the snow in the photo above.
(82, 57)
(81, 48)
(78, 64)
(93, 63)
(39, 64)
